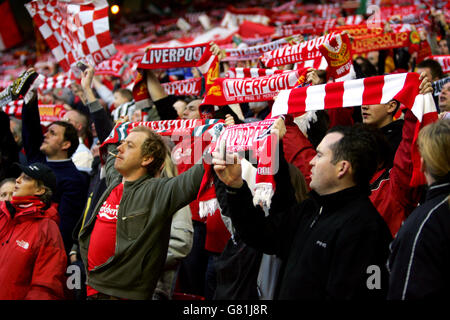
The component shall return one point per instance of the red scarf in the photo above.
(189, 87)
(305, 50)
(444, 61)
(255, 137)
(338, 53)
(251, 72)
(384, 41)
(228, 91)
(403, 87)
(163, 58)
(24, 203)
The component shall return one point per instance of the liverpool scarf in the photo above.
(163, 58)
(256, 51)
(305, 50)
(338, 54)
(251, 72)
(228, 91)
(444, 61)
(189, 87)
(384, 41)
(403, 87)
(255, 137)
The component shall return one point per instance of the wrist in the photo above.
(236, 184)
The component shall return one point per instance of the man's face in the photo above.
(129, 157)
(191, 111)
(324, 174)
(444, 98)
(53, 140)
(6, 191)
(376, 115)
(25, 186)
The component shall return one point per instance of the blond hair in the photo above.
(434, 147)
(154, 147)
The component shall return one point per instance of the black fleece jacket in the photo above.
(332, 246)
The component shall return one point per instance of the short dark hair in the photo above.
(70, 134)
(434, 66)
(359, 146)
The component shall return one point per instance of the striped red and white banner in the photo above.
(403, 87)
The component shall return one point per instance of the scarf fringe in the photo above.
(208, 207)
(263, 194)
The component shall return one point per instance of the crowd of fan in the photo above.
(129, 220)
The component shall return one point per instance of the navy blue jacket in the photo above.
(71, 184)
(420, 254)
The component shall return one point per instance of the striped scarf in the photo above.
(255, 137)
(403, 87)
(251, 72)
(228, 91)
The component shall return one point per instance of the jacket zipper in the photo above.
(316, 218)
(133, 216)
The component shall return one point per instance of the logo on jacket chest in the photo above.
(321, 244)
(23, 244)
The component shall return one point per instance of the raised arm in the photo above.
(32, 136)
(250, 222)
(102, 121)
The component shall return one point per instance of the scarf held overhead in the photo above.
(257, 138)
(228, 91)
(305, 50)
(403, 87)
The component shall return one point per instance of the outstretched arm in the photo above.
(102, 121)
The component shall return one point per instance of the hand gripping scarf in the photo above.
(403, 87)
(185, 130)
(255, 137)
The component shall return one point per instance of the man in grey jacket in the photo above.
(124, 243)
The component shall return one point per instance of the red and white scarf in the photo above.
(257, 137)
(251, 72)
(228, 91)
(114, 67)
(189, 87)
(338, 53)
(47, 112)
(403, 87)
(175, 57)
(444, 61)
(234, 54)
(305, 50)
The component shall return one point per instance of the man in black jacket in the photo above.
(333, 245)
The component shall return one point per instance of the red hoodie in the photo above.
(32, 256)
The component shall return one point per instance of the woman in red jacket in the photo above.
(32, 255)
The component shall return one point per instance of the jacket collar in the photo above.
(128, 184)
(334, 201)
(23, 206)
(439, 187)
